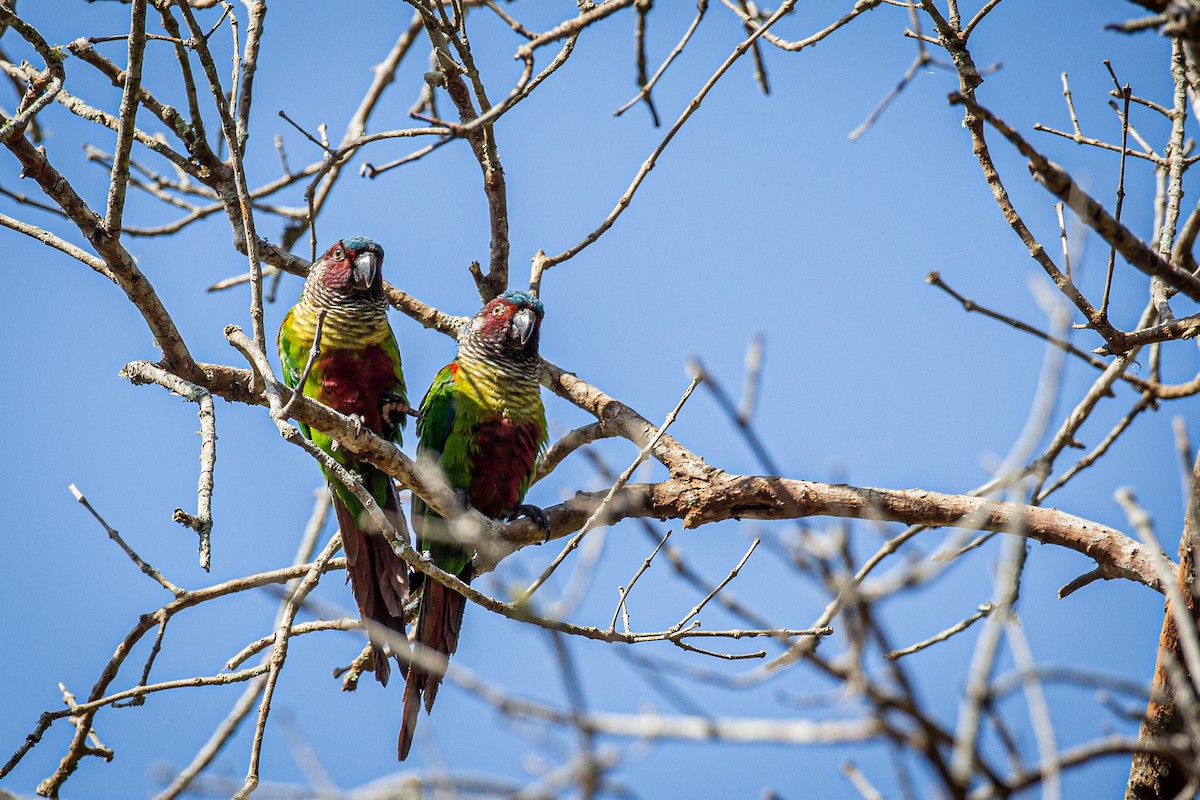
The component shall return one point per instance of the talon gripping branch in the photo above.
(483, 423)
(356, 372)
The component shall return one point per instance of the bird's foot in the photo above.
(464, 497)
(357, 420)
(536, 514)
(396, 410)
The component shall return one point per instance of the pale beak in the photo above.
(522, 325)
(363, 274)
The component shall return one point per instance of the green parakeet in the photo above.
(357, 373)
(482, 422)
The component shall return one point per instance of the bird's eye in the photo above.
(339, 254)
(498, 311)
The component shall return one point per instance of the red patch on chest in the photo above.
(506, 451)
(354, 382)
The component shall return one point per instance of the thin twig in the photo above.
(623, 202)
(146, 569)
(958, 627)
(313, 353)
(626, 589)
(1112, 250)
(733, 573)
(597, 515)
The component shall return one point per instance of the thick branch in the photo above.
(699, 494)
(1154, 774)
(720, 496)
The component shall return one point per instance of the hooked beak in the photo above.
(522, 325)
(363, 273)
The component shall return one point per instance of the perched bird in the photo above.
(356, 372)
(483, 423)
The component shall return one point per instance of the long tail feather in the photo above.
(378, 577)
(439, 623)
(412, 707)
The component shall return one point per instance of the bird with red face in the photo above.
(482, 423)
(357, 372)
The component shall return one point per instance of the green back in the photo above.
(445, 426)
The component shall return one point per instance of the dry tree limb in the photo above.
(935, 279)
(623, 202)
(44, 87)
(960, 626)
(573, 26)
(755, 25)
(242, 707)
(647, 86)
(128, 115)
(77, 748)
(1152, 774)
(1059, 183)
(146, 569)
(569, 443)
(698, 493)
(201, 522)
(726, 496)
(952, 39)
(597, 517)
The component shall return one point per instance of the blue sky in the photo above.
(760, 217)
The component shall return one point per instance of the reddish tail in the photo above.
(378, 577)
(438, 625)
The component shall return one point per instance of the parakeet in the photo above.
(483, 423)
(357, 373)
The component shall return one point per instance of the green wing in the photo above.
(436, 415)
(398, 421)
(293, 354)
(444, 430)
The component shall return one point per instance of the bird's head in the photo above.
(352, 266)
(510, 322)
